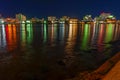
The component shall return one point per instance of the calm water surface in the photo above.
(54, 51)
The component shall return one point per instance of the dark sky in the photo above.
(72, 8)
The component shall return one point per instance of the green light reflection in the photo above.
(45, 32)
(29, 33)
(109, 33)
(85, 37)
(23, 34)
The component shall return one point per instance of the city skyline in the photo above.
(21, 18)
(58, 8)
(86, 15)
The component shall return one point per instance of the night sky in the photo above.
(72, 8)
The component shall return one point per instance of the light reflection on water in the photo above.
(54, 51)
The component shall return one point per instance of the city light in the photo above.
(23, 22)
(102, 18)
(28, 21)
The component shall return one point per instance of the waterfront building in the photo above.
(34, 20)
(43, 20)
(1, 21)
(111, 19)
(103, 16)
(73, 21)
(52, 19)
(64, 19)
(87, 18)
(20, 17)
(107, 17)
(9, 20)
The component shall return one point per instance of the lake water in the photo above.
(54, 51)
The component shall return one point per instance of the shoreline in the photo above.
(101, 72)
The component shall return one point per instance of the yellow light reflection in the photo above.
(23, 35)
(71, 41)
(14, 34)
(86, 36)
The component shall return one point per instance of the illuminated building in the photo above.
(64, 19)
(1, 21)
(73, 20)
(87, 18)
(20, 17)
(28, 21)
(43, 20)
(106, 17)
(52, 19)
(9, 20)
(34, 20)
(111, 19)
(102, 18)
